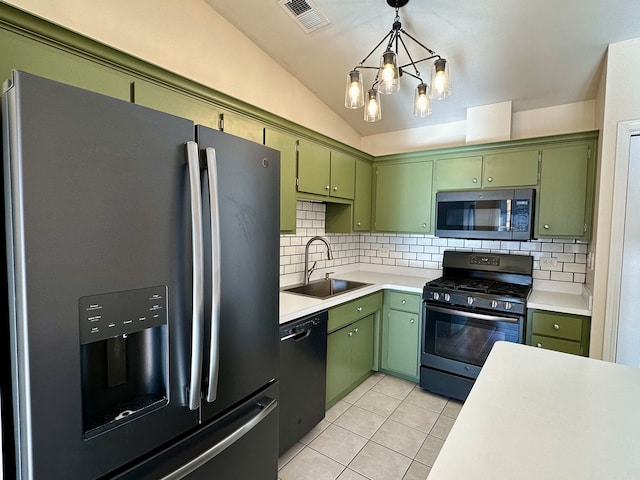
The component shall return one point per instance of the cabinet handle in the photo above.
(350, 334)
(359, 224)
(413, 320)
(489, 179)
(327, 187)
(556, 326)
(359, 309)
(355, 330)
(475, 180)
(546, 226)
(424, 225)
(403, 301)
(335, 189)
(539, 345)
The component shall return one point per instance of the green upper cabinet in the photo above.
(564, 197)
(20, 53)
(314, 168)
(322, 171)
(362, 200)
(506, 169)
(241, 126)
(176, 103)
(510, 169)
(403, 197)
(286, 144)
(459, 173)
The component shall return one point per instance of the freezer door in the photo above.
(241, 269)
(99, 269)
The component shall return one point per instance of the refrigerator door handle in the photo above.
(198, 276)
(195, 463)
(214, 353)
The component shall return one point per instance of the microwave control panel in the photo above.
(520, 215)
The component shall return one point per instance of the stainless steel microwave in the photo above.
(486, 215)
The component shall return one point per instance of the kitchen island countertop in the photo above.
(294, 306)
(540, 414)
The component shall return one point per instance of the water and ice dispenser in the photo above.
(124, 348)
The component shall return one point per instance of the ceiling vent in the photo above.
(305, 14)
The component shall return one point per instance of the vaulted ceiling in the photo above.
(534, 53)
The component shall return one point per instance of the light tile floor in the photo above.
(386, 429)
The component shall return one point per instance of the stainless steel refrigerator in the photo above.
(140, 338)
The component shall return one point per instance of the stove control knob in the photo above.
(507, 305)
(436, 296)
(447, 297)
(470, 300)
(494, 304)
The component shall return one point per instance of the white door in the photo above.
(628, 347)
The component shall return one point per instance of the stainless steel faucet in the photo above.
(307, 271)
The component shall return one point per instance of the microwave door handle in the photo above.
(197, 333)
(508, 215)
(479, 316)
(214, 353)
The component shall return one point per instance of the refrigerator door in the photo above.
(99, 266)
(243, 350)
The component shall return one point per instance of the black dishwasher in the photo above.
(303, 377)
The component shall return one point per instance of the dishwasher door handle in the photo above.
(297, 336)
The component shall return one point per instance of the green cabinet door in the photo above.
(462, 173)
(510, 169)
(362, 200)
(343, 175)
(562, 197)
(242, 127)
(176, 103)
(20, 53)
(403, 197)
(338, 362)
(286, 144)
(362, 348)
(400, 343)
(314, 168)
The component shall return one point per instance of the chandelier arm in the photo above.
(418, 42)
(410, 59)
(374, 49)
(417, 77)
(420, 61)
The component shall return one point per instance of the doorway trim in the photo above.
(614, 279)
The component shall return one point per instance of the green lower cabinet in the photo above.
(562, 332)
(350, 352)
(401, 335)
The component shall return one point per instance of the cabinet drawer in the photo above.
(550, 343)
(557, 325)
(406, 302)
(351, 311)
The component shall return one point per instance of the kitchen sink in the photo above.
(325, 288)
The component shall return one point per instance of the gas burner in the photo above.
(470, 285)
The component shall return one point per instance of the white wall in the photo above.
(620, 101)
(189, 38)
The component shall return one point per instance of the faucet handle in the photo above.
(326, 275)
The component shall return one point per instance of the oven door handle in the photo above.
(479, 316)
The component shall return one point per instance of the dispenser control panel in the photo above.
(113, 314)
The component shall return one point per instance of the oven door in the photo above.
(458, 340)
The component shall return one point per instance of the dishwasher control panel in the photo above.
(296, 327)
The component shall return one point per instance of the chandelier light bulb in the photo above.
(422, 103)
(389, 73)
(372, 111)
(440, 80)
(354, 94)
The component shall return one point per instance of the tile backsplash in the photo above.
(559, 260)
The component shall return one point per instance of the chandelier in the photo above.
(387, 79)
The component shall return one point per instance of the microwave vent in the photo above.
(305, 14)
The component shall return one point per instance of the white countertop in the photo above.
(296, 306)
(539, 414)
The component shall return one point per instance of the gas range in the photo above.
(493, 282)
